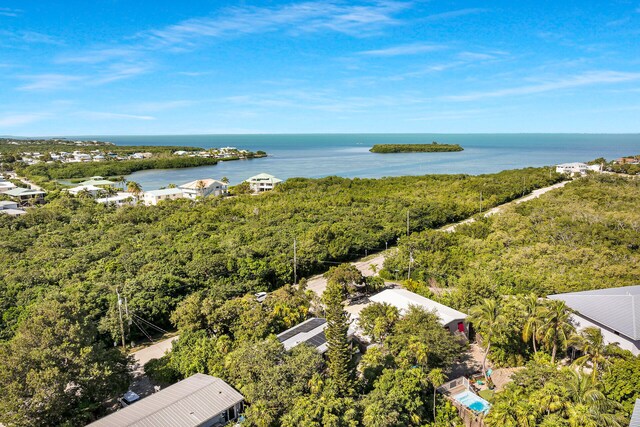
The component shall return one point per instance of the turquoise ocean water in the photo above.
(348, 155)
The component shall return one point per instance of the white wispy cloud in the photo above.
(296, 18)
(408, 49)
(7, 11)
(119, 72)
(100, 115)
(586, 79)
(12, 120)
(99, 55)
(30, 37)
(48, 81)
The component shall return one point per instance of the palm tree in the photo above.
(596, 353)
(485, 318)
(589, 407)
(534, 319)
(134, 188)
(556, 326)
(225, 180)
(436, 378)
(122, 180)
(200, 186)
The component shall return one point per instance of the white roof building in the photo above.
(262, 182)
(120, 199)
(153, 197)
(616, 311)
(575, 168)
(203, 188)
(6, 186)
(635, 416)
(402, 299)
(91, 189)
(200, 400)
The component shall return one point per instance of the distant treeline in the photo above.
(415, 148)
(43, 172)
(48, 146)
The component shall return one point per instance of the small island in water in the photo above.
(434, 147)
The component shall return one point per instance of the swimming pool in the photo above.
(473, 401)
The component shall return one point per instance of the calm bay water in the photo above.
(348, 155)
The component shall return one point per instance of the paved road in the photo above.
(318, 283)
(154, 351)
(33, 186)
(534, 194)
(368, 267)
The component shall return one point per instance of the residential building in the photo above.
(119, 199)
(311, 332)
(615, 311)
(573, 169)
(635, 416)
(6, 185)
(198, 401)
(452, 320)
(98, 181)
(153, 197)
(10, 208)
(92, 190)
(263, 182)
(203, 188)
(24, 195)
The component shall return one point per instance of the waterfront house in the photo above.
(452, 320)
(203, 188)
(120, 199)
(153, 197)
(25, 195)
(92, 190)
(263, 182)
(98, 181)
(573, 169)
(200, 400)
(310, 332)
(615, 311)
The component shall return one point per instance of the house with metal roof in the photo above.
(153, 197)
(635, 416)
(203, 188)
(200, 400)
(263, 182)
(575, 168)
(6, 185)
(310, 332)
(24, 195)
(616, 311)
(98, 181)
(402, 299)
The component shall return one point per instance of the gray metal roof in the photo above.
(310, 331)
(616, 308)
(187, 403)
(635, 416)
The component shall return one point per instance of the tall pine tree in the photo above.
(339, 357)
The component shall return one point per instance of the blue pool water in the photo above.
(473, 401)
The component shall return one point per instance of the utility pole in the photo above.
(295, 262)
(481, 202)
(407, 222)
(126, 311)
(410, 262)
(120, 313)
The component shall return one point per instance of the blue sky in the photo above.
(169, 67)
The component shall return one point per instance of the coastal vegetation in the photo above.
(195, 267)
(434, 147)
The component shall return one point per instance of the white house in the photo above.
(572, 169)
(6, 186)
(120, 199)
(153, 197)
(24, 195)
(616, 311)
(198, 401)
(402, 299)
(204, 188)
(263, 182)
(91, 189)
